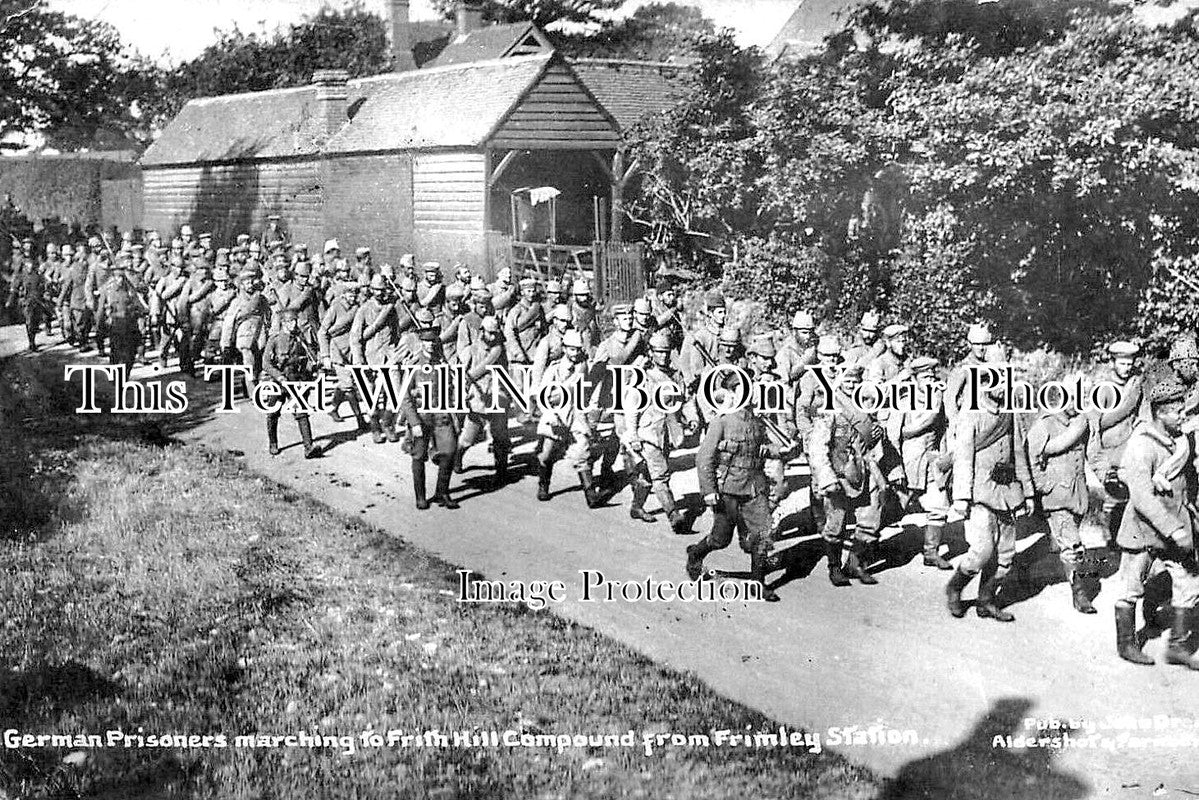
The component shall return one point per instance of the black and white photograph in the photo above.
(553, 399)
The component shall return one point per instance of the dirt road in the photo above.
(823, 659)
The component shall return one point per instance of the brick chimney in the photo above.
(470, 16)
(401, 36)
(331, 94)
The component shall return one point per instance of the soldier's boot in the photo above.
(544, 473)
(311, 449)
(757, 567)
(695, 559)
(334, 403)
(932, 546)
(637, 508)
(857, 560)
(1180, 649)
(501, 466)
(590, 493)
(835, 575)
(272, 433)
(418, 483)
(377, 428)
(356, 407)
(445, 471)
(459, 468)
(1126, 633)
(953, 593)
(1079, 585)
(607, 477)
(986, 607)
(389, 426)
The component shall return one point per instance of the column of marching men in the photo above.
(277, 310)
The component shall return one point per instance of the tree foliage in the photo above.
(541, 13)
(654, 32)
(350, 38)
(1044, 178)
(67, 79)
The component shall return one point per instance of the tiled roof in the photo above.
(631, 89)
(483, 44)
(456, 106)
(805, 29)
(279, 122)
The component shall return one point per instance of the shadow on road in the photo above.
(980, 768)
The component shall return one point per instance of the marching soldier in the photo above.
(61, 297)
(921, 443)
(364, 267)
(643, 318)
(731, 479)
(566, 432)
(374, 335)
(221, 299)
(555, 294)
(244, 331)
(847, 484)
(333, 336)
(304, 299)
(290, 356)
(866, 346)
(405, 304)
(1158, 526)
(798, 351)
(650, 433)
(503, 293)
(27, 290)
(472, 322)
(430, 291)
(170, 286)
(624, 347)
(585, 314)
(97, 276)
(485, 351)
(524, 324)
(692, 359)
(273, 237)
(451, 320)
(1057, 451)
(729, 354)
(462, 280)
(430, 434)
(780, 429)
(195, 316)
(992, 484)
(74, 295)
(1113, 428)
(121, 308)
(809, 393)
(978, 338)
(666, 312)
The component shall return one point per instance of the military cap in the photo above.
(362, 251)
(223, 251)
(51, 247)
(923, 364)
(803, 320)
(331, 245)
(852, 371)
(714, 299)
(185, 228)
(553, 285)
(659, 341)
(1123, 349)
(205, 235)
(1183, 347)
(562, 312)
(67, 250)
(378, 282)
(138, 248)
(254, 247)
(1167, 390)
(491, 324)
(730, 336)
(221, 273)
(641, 306)
(303, 269)
(763, 346)
(621, 310)
(477, 283)
(581, 286)
(505, 274)
(273, 217)
(455, 290)
(828, 346)
(870, 321)
(895, 329)
(431, 266)
(424, 316)
(526, 281)
(979, 334)
(302, 247)
(572, 338)
(94, 241)
(407, 260)
(481, 295)
(248, 275)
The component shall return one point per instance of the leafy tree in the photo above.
(352, 39)
(654, 32)
(68, 79)
(541, 13)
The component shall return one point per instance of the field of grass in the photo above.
(154, 589)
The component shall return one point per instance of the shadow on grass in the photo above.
(980, 767)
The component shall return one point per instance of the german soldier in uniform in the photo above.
(566, 432)
(74, 295)
(992, 484)
(978, 338)
(846, 482)
(430, 291)
(333, 336)
(921, 442)
(586, 315)
(27, 290)
(486, 351)
(1112, 429)
(524, 324)
(866, 345)
(195, 316)
(692, 361)
(1158, 525)
(290, 356)
(731, 478)
(430, 433)
(121, 308)
(798, 351)
(244, 330)
(374, 335)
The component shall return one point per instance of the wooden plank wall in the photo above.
(228, 199)
(557, 113)
(368, 202)
(448, 204)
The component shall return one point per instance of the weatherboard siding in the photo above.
(557, 113)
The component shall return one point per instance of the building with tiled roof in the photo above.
(493, 41)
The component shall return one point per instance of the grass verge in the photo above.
(152, 589)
